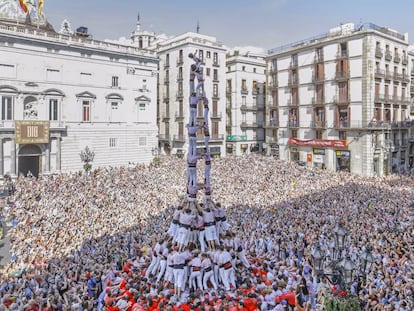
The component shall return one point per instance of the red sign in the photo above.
(318, 142)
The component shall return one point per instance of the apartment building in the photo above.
(173, 91)
(411, 137)
(341, 100)
(245, 98)
(61, 92)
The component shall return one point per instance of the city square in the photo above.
(160, 172)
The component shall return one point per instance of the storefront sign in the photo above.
(318, 151)
(236, 137)
(342, 153)
(32, 132)
(317, 142)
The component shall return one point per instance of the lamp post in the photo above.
(340, 270)
(156, 152)
(87, 157)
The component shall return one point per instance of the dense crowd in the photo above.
(86, 242)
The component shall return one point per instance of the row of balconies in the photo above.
(200, 138)
(388, 56)
(340, 124)
(389, 75)
(180, 115)
(384, 98)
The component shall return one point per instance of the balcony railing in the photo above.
(216, 115)
(379, 73)
(179, 95)
(228, 90)
(340, 100)
(378, 53)
(397, 77)
(272, 124)
(165, 116)
(244, 90)
(272, 140)
(179, 77)
(401, 124)
(273, 86)
(179, 138)
(272, 104)
(293, 82)
(388, 55)
(179, 115)
(163, 137)
(215, 95)
(180, 61)
(342, 54)
(293, 124)
(318, 100)
(248, 108)
(397, 58)
(216, 64)
(342, 75)
(319, 124)
(216, 137)
(318, 78)
(246, 124)
(404, 60)
(405, 78)
(388, 75)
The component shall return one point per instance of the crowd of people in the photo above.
(87, 242)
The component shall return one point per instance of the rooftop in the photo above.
(338, 31)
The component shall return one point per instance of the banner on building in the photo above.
(317, 142)
(40, 4)
(23, 5)
(32, 132)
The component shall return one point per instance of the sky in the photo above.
(264, 24)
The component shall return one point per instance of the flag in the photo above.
(23, 5)
(40, 7)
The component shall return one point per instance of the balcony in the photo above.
(273, 86)
(293, 124)
(319, 124)
(216, 95)
(251, 125)
(179, 78)
(216, 138)
(342, 54)
(341, 75)
(397, 77)
(401, 124)
(272, 71)
(165, 116)
(272, 124)
(216, 115)
(379, 73)
(180, 61)
(216, 63)
(228, 91)
(293, 64)
(244, 91)
(162, 137)
(293, 82)
(293, 102)
(318, 58)
(318, 101)
(248, 108)
(388, 75)
(273, 104)
(166, 65)
(411, 139)
(405, 78)
(272, 140)
(378, 53)
(397, 58)
(404, 60)
(179, 138)
(166, 80)
(318, 78)
(340, 100)
(179, 115)
(388, 55)
(179, 95)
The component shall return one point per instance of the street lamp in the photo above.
(87, 157)
(367, 259)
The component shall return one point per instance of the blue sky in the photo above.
(262, 23)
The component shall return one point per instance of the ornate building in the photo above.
(341, 100)
(61, 92)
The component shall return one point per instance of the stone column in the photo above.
(58, 154)
(13, 158)
(1, 158)
(47, 159)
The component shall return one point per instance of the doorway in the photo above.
(29, 160)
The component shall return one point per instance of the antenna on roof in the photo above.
(198, 26)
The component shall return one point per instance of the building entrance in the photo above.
(29, 160)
